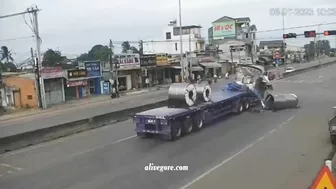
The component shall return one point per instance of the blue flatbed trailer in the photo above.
(172, 123)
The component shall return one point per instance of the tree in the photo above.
(97, 52)
(52, 58)
(6, 54)
(127, 47)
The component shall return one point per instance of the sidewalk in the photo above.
(80, 102)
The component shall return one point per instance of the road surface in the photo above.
(283, 150)
(48, 119)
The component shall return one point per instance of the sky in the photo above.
(74, 26)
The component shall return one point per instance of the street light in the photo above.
(181, 46)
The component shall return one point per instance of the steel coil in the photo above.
(281, 101)
(203, 92)
(182, 94)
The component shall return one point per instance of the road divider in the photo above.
(21, 140)
(30, 138)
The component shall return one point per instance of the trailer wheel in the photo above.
(239, 107)
(333, 139)
(198, 122)
(176, 132)
(187, 126)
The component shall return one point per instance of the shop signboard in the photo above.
(148, 61)
(223, 30)
(128, 61)
(93, 68)
(162, 59)
(77, 73)
(52, 72)
(76, 83)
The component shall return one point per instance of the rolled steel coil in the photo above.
(203, 92)
(281, 101)
(182, 93)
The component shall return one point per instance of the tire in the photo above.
(246, 105)
(239, 108)
(198, 122)
(333, 139)
(187, 126)
(176, 132)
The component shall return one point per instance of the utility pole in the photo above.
(37, 76)
(283, 40)
(34, 10)
(181, 45)
(39, 57)
(190, 64)
(114, 68)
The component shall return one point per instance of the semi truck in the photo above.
(173, 123)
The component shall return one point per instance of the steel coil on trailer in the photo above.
(181, 95)
(281, 101)
(203, 92)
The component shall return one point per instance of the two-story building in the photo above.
(192, 40)
(227, 31)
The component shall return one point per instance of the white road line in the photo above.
(103, 146)
(232, 157)
(11, 166)
(289, 119)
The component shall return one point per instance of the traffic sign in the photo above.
(325, 180)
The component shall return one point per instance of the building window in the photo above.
(29, 97)
(176, 31)
(175, 46)
(246, 35)
(168, 35)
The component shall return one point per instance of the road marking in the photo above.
(11, 166)
(233, 156)
(56, 141)
(103, 146)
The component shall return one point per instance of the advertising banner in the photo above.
(162, 60)
(148, 61)
(128, 61)
(224, 29)
(77, 73)
(52, 72)
(93, 68)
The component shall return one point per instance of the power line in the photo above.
(18, 38)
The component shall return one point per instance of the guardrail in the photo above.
(22, 140)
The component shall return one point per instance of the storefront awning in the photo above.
(82, 78)
(211, 65)
(196, 69)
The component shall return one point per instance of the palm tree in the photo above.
(6, 54)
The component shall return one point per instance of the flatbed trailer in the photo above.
(172, 123)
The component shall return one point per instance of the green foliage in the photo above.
(126, 47)
(97, 52)
(6, 54)
(52, 58)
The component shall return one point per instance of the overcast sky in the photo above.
(74, 26)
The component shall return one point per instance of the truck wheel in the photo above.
(176, 132)
(246, 105)
(239, 108)
(187, 126)
(198, 122)
(333, 139)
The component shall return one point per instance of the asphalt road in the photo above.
(284, 149)
(48, 119)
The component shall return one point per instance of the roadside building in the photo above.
(77, 85)
(192, 40)
(94, 75)
(129, 71)
(163, 68)
(18, 90)
(54, 79)
(148, 71)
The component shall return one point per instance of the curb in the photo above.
(22, 140)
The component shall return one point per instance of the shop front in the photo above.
(129, 71)
(212, 68)
(77, 84)
(148, 72)
(162, 70)
(94, 73)
(54, 85)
